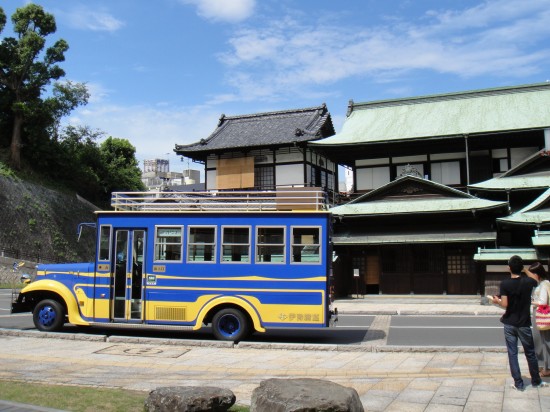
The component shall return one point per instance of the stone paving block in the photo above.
(525, 401)
(545, 401)
(446, 395)
(392, 386)
(491, 385)
(415, 396)
(400, 406)
(455, 391)
(458, 382)
(477, 395)
(485, 407)
(443, 408)
(376, 393)
(425, 384)
(375, 403)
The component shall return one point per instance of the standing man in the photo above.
(515, 298)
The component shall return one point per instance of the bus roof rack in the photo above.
(287, 199)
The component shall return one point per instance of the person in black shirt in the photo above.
(515, 298)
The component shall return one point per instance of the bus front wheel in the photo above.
(230, 324)
(49, 315)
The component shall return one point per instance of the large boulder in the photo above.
(189, 399)
(304, 395)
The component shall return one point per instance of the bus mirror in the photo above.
(25, 278)
(79, 229)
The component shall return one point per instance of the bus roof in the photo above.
(288, 199)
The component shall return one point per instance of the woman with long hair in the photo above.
(541, 296)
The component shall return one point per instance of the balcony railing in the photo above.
(305, 198)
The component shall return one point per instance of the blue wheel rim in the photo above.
(229, 325)
(47, 315)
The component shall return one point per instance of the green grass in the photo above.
(77, 398)
(16, 285)
(6, 171)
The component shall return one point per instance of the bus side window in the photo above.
(168, 243)
(104, 243)
(306, 244)
(270, 244)
(236, 244)
(201, 243)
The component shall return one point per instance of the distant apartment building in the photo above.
(156, 175)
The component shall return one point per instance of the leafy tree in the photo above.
(79, 162)
(67, 96)
(26, 69)
(121, 167)
(43, 123)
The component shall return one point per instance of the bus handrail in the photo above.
(313, 199)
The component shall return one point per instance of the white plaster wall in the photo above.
(289, 174)
(211, 180)
(372, 178)
(447, 173)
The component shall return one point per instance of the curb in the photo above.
(253, 345)
(409, 312)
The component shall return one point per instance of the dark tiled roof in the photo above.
(264, 129)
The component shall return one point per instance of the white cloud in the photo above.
(232, 11)
(154, 131)
(85, 18)
(288, 56)
(97, 91)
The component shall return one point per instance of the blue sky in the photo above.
(162, 72)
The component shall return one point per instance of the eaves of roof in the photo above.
(429, 184)
(503, 255)
(535, 213)
(528, 218)
(415, 238)
(264, 129)
(541, 238)
(534, 181)
(417, 206)
(447, 115)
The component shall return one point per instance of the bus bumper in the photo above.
(20, 302)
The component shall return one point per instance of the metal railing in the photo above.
(242, 201)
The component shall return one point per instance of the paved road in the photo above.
(352, 329)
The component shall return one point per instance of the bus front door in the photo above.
(127, 276)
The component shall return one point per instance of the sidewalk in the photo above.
(385, 380)
(416, 305)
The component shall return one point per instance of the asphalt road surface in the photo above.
(448, 331)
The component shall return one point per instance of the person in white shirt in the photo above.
(541, 297)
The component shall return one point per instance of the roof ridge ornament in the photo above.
(409, 170)
(350, 107)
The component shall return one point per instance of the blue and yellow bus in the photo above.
(238, 261)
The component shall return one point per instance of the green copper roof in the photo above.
(531, 173)
(399, 197)
(535, 213)
(392, 207)
(415, 238)
(535, 181)
(541, 238)
(502, 255)
(445, 115)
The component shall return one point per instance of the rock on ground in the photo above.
(189, 399)
(304, 395)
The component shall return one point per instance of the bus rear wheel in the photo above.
(49, 315)
(230, 324)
